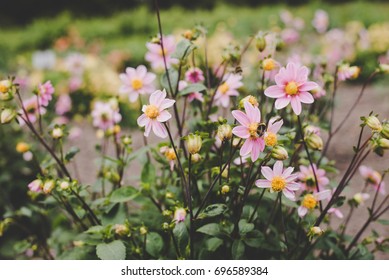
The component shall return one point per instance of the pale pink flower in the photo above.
(320, 21)
(170, 155)
(155, 54)
(310, 201)
(105, 115)
(307, 178)
(311, 129)
(227, 89)
(36, 186)
(155, 114)
(32, 109)
(270, 136)
(75, 83)
(347, 72)
(63, 105)
(336, 212)
(248, 129)
(45, 93)
(290, 35)
(137, 81)
(194, 75)
(373, 177)
(286, 17)
(292, 86)
(75, 63)
(278, 180)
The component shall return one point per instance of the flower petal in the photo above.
(306, 97)
(159, 129)
(287, 172)
(142, 120)
(302, 211)
(263, 183)
(293, 186)
(246, 147)
(241, 117)
(252, 112)
(277, 168)
(289, 194)
(267, 172)
(157, 97)
(274, 92)
(241, 131)
(164, 116)
(296, 105)
(322, 195)
(307, 86)
(166, 103)
(282, 102)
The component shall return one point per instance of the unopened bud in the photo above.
(22, 147)
(279, 153)
(64, 185)
(194, 143)
(48, 186)
(169, 195)
(36, 185)
(374, 123)
(179, 215)
(314, 142)
(383, 143)
(385, 130)
(224, 132)
(121, 230)
(260, 43)
(225, 189)
(384, 68)
(196, 158)
(7, 115)
(251, 99)
(315, 231)
(165, 226)
(126, 140)
(57, 133)
(7, 90)
(188, 34)
(143, 230)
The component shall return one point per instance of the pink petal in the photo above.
(274, 92)
(302, 74)
(287, 172)
(252, 112)
(142, 120)
(267, 172)
(255, 151)
(166, 103)
(159, 129)
(164, 116)
(296, 105)
(282, 102)
(130, 72)
(277, 168)
(241, 131)
(133, 96)
(157, 97)
(289, 194)
(291, 178)
(302, 211)
(307, 86)
(246, 147)
(275, 126)
(141, 71)
(263, 184)
(306, 97)
(148, 128)
(365, 171)
(293, 186)
(241, 117)
(323, 195)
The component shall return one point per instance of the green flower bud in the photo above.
(7, 90)
(374, 123)
(385, 130)
(224, 132)
(194, 143)
(48, 186)
(279, 153)
(260, 43)
(57, 133)
(314, 141)
(225, 189)
(7, 115)
(196, 158)
(383, 143)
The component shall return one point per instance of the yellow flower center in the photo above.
(152, 111)
(253, 100)
(268, 64)
(136, 84)
(253, 127)
(291, 88)
(3, 88)
(170, 154)
(271, 139)
(278, 183)
(309, 201)
(224, 88)
(161, 53)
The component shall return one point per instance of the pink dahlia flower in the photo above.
(45, 93)
(36, 186)
(292, 86)
(278, 180)
(373, 177)
(137, 81)
(248, 129)
(347, 72)
(321, 21)
(32, 109)
(194, 75)
(310, 201)
(63, 105)
(307, 177)
(155, 114)
(155, 54)
(228, 88)
(105, 115)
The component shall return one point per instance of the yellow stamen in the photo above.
(291, 88)
(270, 139)
(152, 111)
(309, 201)
(170, 154)
(3, 88)
(268, 64)
(278, 183)
(224, 88)
(136, 84)
(253, 129)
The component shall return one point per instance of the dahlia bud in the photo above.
(251, 99)
(224, 132)
(64, 185)
(143, 230)
(188, 34)
(165, 226)
(374, 123)
(279, 153)
(179, 215)
(355, 71)
(126, 140)
(194, 143)
(57, 133)
(225, 189)
(22, 147)
(7, 115)
(48, 186)
(316, 231)
(383, 143)
(385, 130)
(7, 90)
(359, 198)
(268, 64)
(36, 185)
(260, 43)
(121, 230)
(314, 142)
(196, 158)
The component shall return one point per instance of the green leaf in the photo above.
(111, 251)
(254, 239)
(124, 194)
(212, 229)
(71, 153)
(238, 248)
(148, 173)
(154, 244)
(183, 49)
(213, 244)
(173, 75)
(192, 88)
(94, 229)
(180, 232)
(245, 227)
(383, 222)
(213, 210)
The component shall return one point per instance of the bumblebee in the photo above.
(261, 129)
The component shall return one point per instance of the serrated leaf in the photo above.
(245, 227)
(237, 249)
(124, 194)
(154, 244)
(111, 251)
(192, 88)
(213, 210)
(173, 75)
(183, 49)
(212, 229)
(213, 244)
(71, 153)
